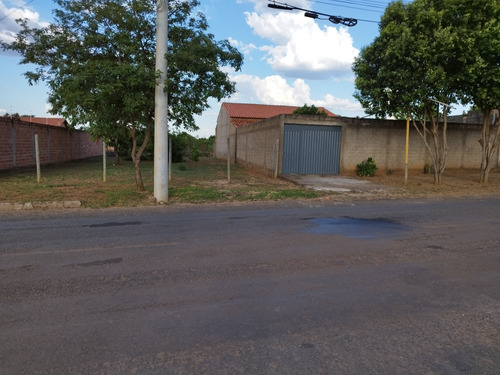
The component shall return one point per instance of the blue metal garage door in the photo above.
(311, 149)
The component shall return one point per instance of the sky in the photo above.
(289, 59)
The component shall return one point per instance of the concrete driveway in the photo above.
(334, 183)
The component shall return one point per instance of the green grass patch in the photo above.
(192, 182)
(287, 194)
(194, 194)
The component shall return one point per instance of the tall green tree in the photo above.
(98, 60)
(445, 50)
(477, 24)
(408, 69)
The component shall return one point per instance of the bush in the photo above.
(366, 168)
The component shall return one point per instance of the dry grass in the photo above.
(206, 181)
(192, 182)
(455, 183)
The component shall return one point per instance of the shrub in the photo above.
(428, 168)
(366, 168)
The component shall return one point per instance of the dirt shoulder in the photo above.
(456, 183)
(74, 185)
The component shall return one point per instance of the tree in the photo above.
(185, 145)
(408, 68)
(477, 25)
(98, 60)
(309, 110)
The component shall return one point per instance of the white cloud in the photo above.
(48, 107)
(272, 89)
(301, 48)
(276, 91)
(9, 28)
(245, 48)
(342, 106)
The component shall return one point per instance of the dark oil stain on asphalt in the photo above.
(357, 228)
(114, 224)
(100, 262)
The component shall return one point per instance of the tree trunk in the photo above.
(488, 145)
(139, 183)
(438, 151)
(137, 152)
(117, 153)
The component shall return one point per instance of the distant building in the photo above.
(278, 142)
(473, 117)
(242, 114)
(52, 121)
(237, 115)
(318, 132)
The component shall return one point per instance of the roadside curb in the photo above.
(29, 206)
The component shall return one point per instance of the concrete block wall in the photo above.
(382, 140)
(56, 144)
(256, 144)
(223, 131)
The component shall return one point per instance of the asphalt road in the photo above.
(380, 287)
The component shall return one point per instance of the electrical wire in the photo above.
(346, 21)
(368, 6)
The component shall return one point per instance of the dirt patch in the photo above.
(455, 182)
(348, 186)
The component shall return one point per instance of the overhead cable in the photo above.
(315, 15)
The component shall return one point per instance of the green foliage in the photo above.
(428, 168)
(179, 146)
(408, 66)
(366, 168)
(287, 194)
(477, 28)
(195, 153)
(409, 62)
(309, 110)
(445, 50)
(185, 145)
(98, 60)
(194, 194)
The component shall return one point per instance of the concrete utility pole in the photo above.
(161, 105)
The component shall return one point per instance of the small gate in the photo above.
(311, 149)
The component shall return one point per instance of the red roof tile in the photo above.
(52, 121)
(246, 114)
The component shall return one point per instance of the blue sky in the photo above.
(289, 59)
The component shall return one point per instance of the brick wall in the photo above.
(56, 144)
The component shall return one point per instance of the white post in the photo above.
(161, 105)
(170, 159)
(104, 166)
(406, 147)
(228, 161)
(276, 158)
